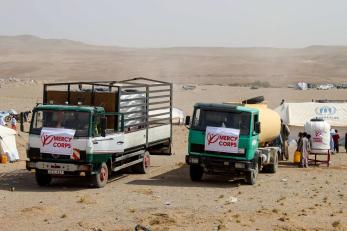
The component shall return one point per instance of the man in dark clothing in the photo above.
(336, 138)
(285, 132)
(298, 142)
(304, 148)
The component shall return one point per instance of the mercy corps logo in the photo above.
(224, 140)
(325, 110)
(318, 133)
(57, 141)
(317, 136)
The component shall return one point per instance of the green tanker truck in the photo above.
(237, 139)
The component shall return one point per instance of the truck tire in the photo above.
(43, 179)
(143, 167)
(271, 168)
(8, 119)
(251, 176)
(196, 172)
(101, 177)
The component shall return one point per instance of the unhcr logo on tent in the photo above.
(325, 111)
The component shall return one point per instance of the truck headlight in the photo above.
(194, 160)
(239, 165)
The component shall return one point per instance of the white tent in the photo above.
(8, 143)
(302, 86)
(297, 114)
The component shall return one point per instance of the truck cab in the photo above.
(91, 144)
(224, 139)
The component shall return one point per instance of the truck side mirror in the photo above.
(257, 128)
(103, 124)
(187, 122)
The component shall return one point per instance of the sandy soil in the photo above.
(166, 199)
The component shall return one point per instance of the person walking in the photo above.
(336, 138)
(298, 142)
(14, 123)
(304, 149)
(332, 133)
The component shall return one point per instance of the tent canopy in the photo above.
(8, 143)
(297, 114)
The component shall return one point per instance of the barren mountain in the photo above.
(59, 59)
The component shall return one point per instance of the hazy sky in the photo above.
(165, 23)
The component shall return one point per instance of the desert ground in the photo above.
(166, 199)
(32, 57)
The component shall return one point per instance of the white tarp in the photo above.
(178, 116)
(297, 114)
(57, 141)
(8, 143)
(222, 139)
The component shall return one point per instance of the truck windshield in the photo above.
(78, 121)
(238, 120)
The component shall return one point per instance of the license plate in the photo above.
(240, 165)
(55, 172)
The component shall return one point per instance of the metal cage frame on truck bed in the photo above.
(153, 97)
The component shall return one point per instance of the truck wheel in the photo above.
(43, 179)
(101, 177)
(8, 119)
(271, 168)
(143, 167)
(196, 172)
(251, 176)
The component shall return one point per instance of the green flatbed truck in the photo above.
(92, 129)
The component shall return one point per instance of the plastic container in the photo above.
(3, 158)
(320, 134)
(297, 157)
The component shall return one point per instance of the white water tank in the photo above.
(320, 134)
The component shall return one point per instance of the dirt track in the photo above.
(166, 199)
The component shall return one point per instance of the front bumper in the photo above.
(65, 167)
(214, 164)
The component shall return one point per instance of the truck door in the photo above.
(113, 142)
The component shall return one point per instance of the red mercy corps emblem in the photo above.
(212, 138)
(318, 133)
(46, 139)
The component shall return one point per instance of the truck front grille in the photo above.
(200, 148)
(34, 154)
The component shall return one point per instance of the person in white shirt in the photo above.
(14, 123)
